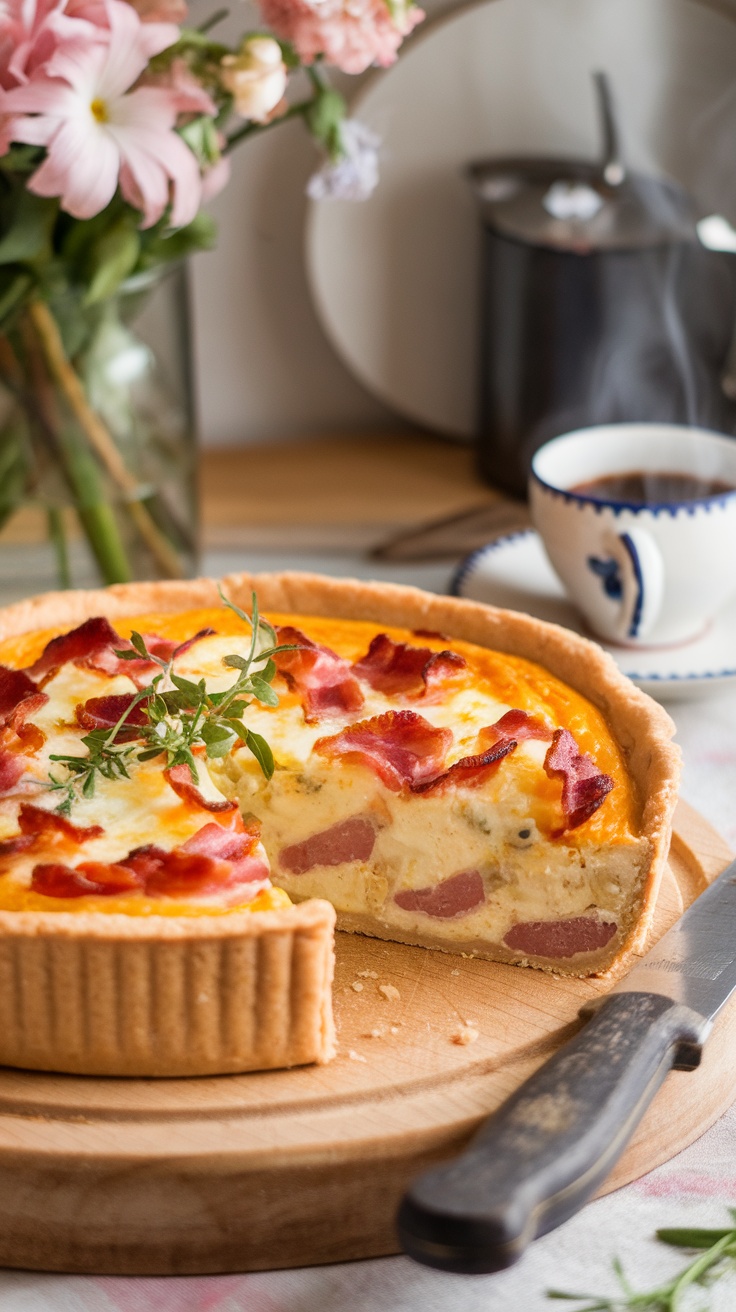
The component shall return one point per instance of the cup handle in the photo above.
(631, 572)
(642, 583)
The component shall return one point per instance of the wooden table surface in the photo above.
(332, 492)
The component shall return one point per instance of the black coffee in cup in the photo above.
(650, 487)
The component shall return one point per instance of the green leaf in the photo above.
(689, 1238)
(216, 750)
(261, 750)
(201, 137)
(22, 159)
(150, 753)
(194, 690)
(112, 258)
(27, 231)
(235, 710)
(264, 692)
(140, 646)
(216, 733)
(160, 245)
(236, 662)
(324, 119)
(15, 285)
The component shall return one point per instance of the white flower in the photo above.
(354, 176)
(256, 77)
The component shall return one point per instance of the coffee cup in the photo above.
(639, 521)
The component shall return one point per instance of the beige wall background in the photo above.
(264, 368)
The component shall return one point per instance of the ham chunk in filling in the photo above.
(349, 840)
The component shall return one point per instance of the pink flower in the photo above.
(351, 34)
(97, 132)
(188, 93)
(30, 33)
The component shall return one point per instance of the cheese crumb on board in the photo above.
(389, 991)
(357, 986)
(464, 1035)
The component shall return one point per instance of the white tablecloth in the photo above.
(695, 1188)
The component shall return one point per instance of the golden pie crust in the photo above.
(110, 994)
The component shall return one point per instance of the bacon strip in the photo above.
(139, 670)
(584, 786)
(517, 725)
(106, 712)
(348, 840)
(40, 823)
(560, 938)
(39, 828)
(212, 860)
(94, 644)
(180, 779)
(447, 900)
(470, 770)
(397, 667)
(19, 696)
(499, 740)
(322, 679)
(54, 879)
(83, 645)
(12, 769)
(400, 746)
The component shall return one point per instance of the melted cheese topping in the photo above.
(144, 809)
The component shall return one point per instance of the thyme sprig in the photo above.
(717, 1256)
(180, 716)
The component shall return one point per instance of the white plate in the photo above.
(514, 572)
(395, 279)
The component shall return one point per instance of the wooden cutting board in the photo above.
(290, 1168)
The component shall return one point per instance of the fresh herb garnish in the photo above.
(179, 716)
(716, 1260)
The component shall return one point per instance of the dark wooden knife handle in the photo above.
(545, 1151)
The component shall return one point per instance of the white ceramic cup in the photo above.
(642, 575)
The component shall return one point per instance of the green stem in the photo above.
(218, 17)
(58, 538)
(249, 129)
(77, 466)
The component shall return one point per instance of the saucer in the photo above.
(514, 572)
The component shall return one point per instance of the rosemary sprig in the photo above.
(716, 1258)
(180, 715)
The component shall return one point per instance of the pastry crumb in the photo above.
(464, 1035)
(389, 991)
(374, 1034)
(367, 974)
(454, 972)
(357, 986)
(394, 1029)
(356, 1056)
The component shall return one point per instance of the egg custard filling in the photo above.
(434, 791)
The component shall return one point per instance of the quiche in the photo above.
(189, 794)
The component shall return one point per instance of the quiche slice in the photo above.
(184, 799)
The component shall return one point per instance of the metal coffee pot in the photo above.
(600, 304)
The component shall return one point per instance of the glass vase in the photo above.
(97, 439)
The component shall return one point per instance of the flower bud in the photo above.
(255, 77)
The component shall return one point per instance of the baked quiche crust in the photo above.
(106, 993)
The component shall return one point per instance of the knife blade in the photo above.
(546, 1150)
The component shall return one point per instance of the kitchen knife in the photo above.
(547, 1149)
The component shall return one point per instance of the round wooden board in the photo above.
(291, 1168)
